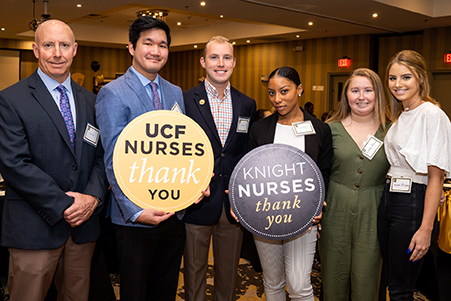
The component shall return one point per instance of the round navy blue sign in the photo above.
(276, 190)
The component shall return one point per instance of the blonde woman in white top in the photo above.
(418, 147)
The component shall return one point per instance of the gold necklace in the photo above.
(408, 108)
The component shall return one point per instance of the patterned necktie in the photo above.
(67, 114)
(155, 97)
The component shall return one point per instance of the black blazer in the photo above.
(208, 211)
(39, 165)
(318, 146)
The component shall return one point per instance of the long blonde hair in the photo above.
(381, 110)
(416, 64)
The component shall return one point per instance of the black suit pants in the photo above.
(149, 260)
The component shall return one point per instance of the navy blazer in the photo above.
(39, 165)
(209, 210)
(318, 146)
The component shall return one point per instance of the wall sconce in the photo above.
(201, 79)
(298, 48)
(264, 78)
(344, 62)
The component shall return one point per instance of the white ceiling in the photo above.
(105, 22)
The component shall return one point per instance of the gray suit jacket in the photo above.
(118, 103)
(39, 165)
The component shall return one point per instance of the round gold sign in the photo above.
(163, 160)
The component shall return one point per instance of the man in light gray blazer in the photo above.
(150, 242)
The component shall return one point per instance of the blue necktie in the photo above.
(155, 97)
(67, 114)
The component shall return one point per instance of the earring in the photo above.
(299, 94)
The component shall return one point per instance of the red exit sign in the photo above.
(447, 58)
(346, 62)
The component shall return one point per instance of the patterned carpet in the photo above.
(249, 284)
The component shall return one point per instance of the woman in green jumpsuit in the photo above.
(349, 248)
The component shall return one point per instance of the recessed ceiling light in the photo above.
(221, 16)
(203, 3)
(3, 28)
(78, 5)
(195, 46)
(297, 36)
(248, 41)
(375, 15)
(233, 43)
(310, 23)
(179, 23)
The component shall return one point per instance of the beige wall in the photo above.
(319, 58)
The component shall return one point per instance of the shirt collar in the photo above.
(144, 80)
(213, 90)
(51, 84)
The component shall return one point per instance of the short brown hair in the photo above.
(217, 39)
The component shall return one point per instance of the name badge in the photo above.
(371, 146)
(91, 135)
(303, 128)
(176, 108)
(243, 124)
(403, 185)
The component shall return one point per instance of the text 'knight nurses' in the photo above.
(163, 160)
(276, 190)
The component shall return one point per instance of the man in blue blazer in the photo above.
(54, 179)
(225, 115)
(149, 255)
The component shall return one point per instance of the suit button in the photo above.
(359, 171)
(223, 155)
(361, 157)
(74, 167)
(357, 185)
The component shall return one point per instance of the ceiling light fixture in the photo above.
(221, 16)
(310, 23)
(78, 5)
(179, 23)
(157, 13)
(3, 28)
(33, 25)
(248, 41)
(203, 3)
(375, 15)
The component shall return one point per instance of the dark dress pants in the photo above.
(149, 260)
(399, 217)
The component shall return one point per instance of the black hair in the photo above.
(144, 23)
(287, 72)
(308, 104)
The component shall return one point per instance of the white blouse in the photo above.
(418, 139)
(285, 135)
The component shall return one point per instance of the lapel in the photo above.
(310, 140)
(205, 110)
(135, 84)
(236, 107)
(45, 99)
(80, 104)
